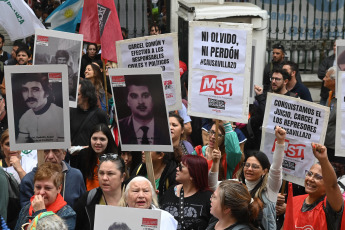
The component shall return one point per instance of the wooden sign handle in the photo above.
(40, 157)
(216, 135)
(149, 168)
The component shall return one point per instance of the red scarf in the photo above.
(58, 204)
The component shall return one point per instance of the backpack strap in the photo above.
(91, 195)
(341, 185)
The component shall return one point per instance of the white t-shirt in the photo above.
(27, 164)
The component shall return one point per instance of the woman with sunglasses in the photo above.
(189, 202)
(47, 187)
(233, 207)
(101, 141)
(111, 174)
(228, 148)
(323, 206)
(264, 180)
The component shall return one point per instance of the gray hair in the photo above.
(52, 222)
(333, 71)
(137, 179)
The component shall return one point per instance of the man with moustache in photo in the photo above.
(43, 121)
(142, 126)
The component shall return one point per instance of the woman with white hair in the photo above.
(139, 193)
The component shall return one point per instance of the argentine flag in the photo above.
(66, 16)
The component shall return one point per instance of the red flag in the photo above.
(109, 28)
(89, 22)
(289, 215)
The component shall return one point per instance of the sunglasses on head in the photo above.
(109, 156)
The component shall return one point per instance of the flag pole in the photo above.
(105, 86)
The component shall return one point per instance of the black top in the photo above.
(196, 208)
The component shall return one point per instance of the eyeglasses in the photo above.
(276, 79)
(180, 166)
(211, 133)
(254, 166)
(315, 175)
(109, 156)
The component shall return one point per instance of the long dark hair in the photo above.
(265, 164)
(91, 157)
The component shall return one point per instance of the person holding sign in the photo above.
(229, 148)
(233, 207)
(323, 206)
(111, 174)
(264, 180)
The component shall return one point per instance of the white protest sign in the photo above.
(304, 122)
(219, 50)
(219, 60)
(340, 129)
(112, 217)
(154, 51)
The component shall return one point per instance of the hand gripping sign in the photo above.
(304, 122)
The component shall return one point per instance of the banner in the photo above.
(219, 61)
(340, 129)
(304, 122)
(155, 51)
(18, 19)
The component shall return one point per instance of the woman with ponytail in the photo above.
(233, 207)
(264, 180)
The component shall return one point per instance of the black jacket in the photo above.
(86, 212)
(324, 66)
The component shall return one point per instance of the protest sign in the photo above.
(40, 112)
(55, 47)
(304, 122)
(219, 60)
(155, 51)
(140, 108)
(112, 217)
(340, 119)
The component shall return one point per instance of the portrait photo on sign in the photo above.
(140, 109)
(55, 47)
(37, 102)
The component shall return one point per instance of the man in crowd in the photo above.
(4, 56)
(73, 184)
(3, 115)
(327, 63)
(295, 86)
(276, 63)
(43, 121)
(62, 57)
(15, 47)
(23, 56)
(142, 126)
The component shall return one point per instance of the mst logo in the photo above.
(292, 150)
(219, 87)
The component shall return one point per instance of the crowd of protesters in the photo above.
(216, 177)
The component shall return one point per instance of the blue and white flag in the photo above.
(66, 16)
(18, 19)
